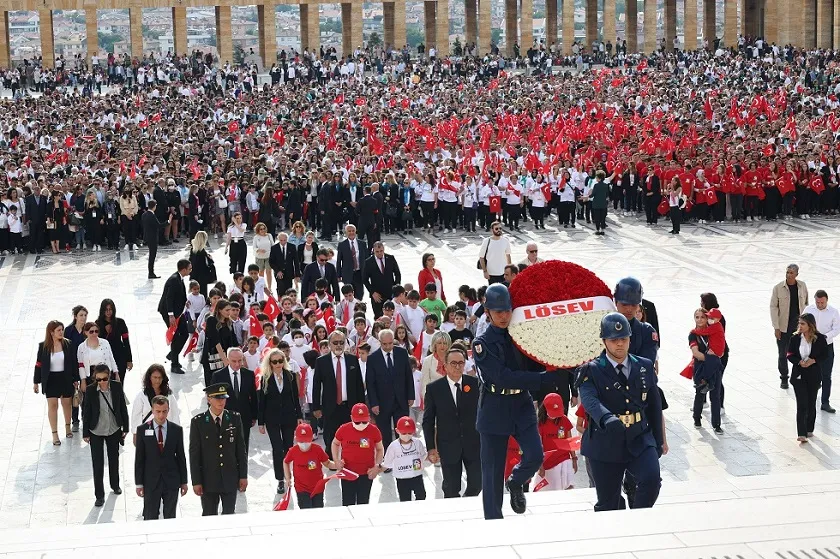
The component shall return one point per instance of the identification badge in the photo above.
(150, 433)
(110, 216)
(644, 396)
(93, 214)
(231, 439)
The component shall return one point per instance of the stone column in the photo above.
(470, 16)
(357, 18)
(346, 30)
(135, 19)
(609, 21)
(802, 17)
(45, 23)
(550, 23)
(836, 26)
(224, 38)
(526, 24)
(388, 24)
(399, 24)
(430, 11)
(91, 35)
(568, 26)
(267, 26)
(5, 53)
(484, 36)
(310, 30)
(179, 30)
(650, 26)
(442, 32)
(591, 24)
(511, 27)
(631, 25)
(730, 23)
(689, 25)
(671, 23)
(710, 21)
(825, 13)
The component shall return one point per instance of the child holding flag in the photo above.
(306, 460)
(559, 465)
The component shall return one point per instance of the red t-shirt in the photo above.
(550, 431)
(306, 466)
(358, 448)
(581, 412)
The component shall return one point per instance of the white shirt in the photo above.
(626, 364)
(804, 349)
(828, 321)
(453, 389)
(343, 374)
(497, 254)
(405, 460)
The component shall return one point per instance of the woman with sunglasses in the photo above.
(56, 372)
(279, 408)
(94, 351)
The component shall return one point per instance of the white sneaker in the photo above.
(133, 247)
(78, 247)
(215, 235)
(191, 357)
(126, 247)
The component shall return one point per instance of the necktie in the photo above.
(322, 270)
(160, 438)
(219, 423)
(458, 395)
(236, 383)
(338, 398)
(283, 250)
(381, 266)
(620, 368)
(355, 258)
(389, 362)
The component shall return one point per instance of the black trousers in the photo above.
(336, 419)
(152, 255)
(599, 216)
(407, 486)
(307, 501)
(806, 386)
(383, 421)
(356, 492)
(377, 307)
(178, 340)
(825, 368)
(514, 214)
(781, 346)
(283, 285)
(238, 250)
(151, 503)
(210, 503)
(97, 447)
(652, 209)
(282, 439)
(452, 477)
(676, 218)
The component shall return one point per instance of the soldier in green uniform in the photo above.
(218, 461)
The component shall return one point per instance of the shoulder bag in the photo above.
(478, 264)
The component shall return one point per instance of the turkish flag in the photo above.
(688, 372)
(156, 117)
(170, 332)
(192, 343)
(69, 142)
(571, 444)
(711, 196)
(339, 99)
(540, 485)
(254, 327)
(418, 349)
(495, 204)
(663, 207)
(349, 475)
(283, 503)
(143, 123)
(133, 174)
(280, 136)
(233, 127)
(272, 309)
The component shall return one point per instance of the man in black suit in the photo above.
(381, 273)
(351, 254)
(367, 208)
(321, 268)
(652, 195)
(451, 405)
(36, 213)
(171, 307)
(105, 424)
(336, 387)
(284, 264)
(160, 465)
(630, 182)
(151, 231)
(390, 385)
(160, 209)
(243, 393)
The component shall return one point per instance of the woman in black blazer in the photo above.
(279, 408)
(115, 331)
(203, 267)
(309, 244)
(57, 371)
(806, 348)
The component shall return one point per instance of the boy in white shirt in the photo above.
(413, 316)
(260, 289)
(406, 456)
(268, 332)
(252, 354)
(298, 347)
(347, 306)
(195, 300)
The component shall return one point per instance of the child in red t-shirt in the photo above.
(715, 332)
(553, 424)
(357, 446)
(306, 459)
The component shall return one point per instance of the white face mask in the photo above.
(298, 342)
(304, 446)
(406, 438)
(360, 426)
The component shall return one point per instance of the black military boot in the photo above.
(517, 497)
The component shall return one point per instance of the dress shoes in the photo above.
(517, 497)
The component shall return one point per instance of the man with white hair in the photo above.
(531, 257)
(390, 384)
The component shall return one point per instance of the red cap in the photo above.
(406, 426)
(714, 314)
(553, 403)
(359, 413)
(303, 433)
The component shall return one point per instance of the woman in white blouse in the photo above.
(805, 349)
(433, 363)
(155, 383)
(94, 351)
(262, 248)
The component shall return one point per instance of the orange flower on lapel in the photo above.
(467, 388)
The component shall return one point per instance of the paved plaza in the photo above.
(46, 486)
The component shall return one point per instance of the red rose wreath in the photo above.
(557, 311)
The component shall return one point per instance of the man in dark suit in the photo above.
(171, 307)
(218, 459)
(160, 465)
(105, 424)
(321, 268)
(243, 396)
(630, 183)
(451, 405)
(367, 208)
(390, 385)
(160, 209)
(151, 231)
(381, 273)
(284, 264)
(336, 387)
(351, 254)
(652, 196)
(36, 213)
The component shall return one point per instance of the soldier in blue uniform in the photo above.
(506, 408)
(619, 391)
(628, 297)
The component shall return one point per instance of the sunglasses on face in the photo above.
(103, 379)
(337, 343)
(93, 331)
(361, 422)
(277, 361)
(532, 252)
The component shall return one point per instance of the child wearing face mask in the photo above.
(358, 447)
(307, 461)
(406, 456)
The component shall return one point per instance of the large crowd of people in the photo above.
(439, 144)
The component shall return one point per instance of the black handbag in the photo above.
(211, 267)
(478, 263)
(392, 211)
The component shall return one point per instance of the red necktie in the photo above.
(160, 438)
(345, 315)
(338, 398)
